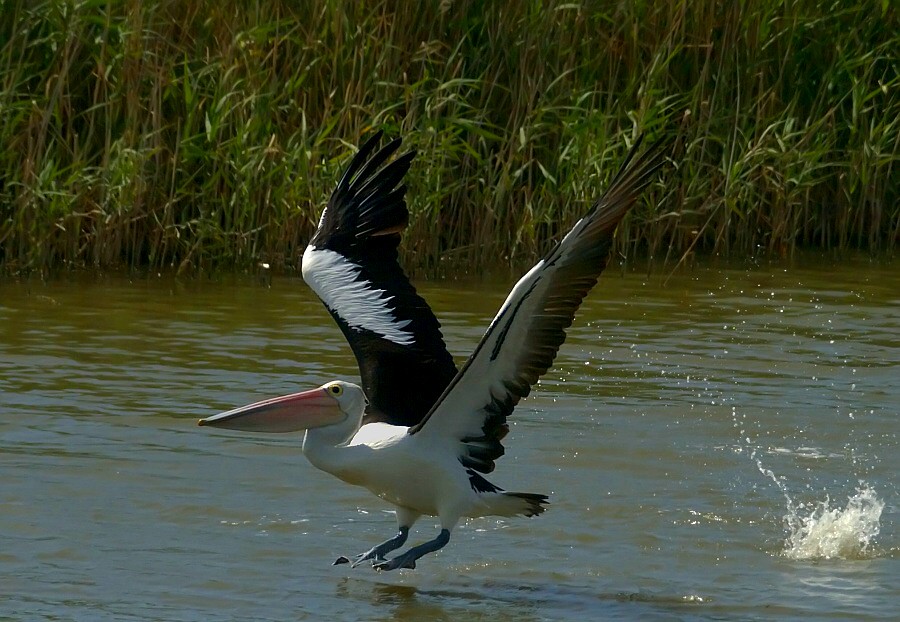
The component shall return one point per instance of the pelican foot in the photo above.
(408, 559)
(376, 553)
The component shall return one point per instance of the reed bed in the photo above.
(198, 135)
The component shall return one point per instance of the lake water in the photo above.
(719, 445)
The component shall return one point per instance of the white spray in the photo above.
(820, 531)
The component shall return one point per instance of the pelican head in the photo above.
(332, 404)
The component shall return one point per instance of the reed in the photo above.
(200, 135)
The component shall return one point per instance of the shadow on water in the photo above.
(500, 600)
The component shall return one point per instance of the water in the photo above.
(723, 446)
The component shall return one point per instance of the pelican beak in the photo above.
(289, 413)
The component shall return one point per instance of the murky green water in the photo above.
(721, 447)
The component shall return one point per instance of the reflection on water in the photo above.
(510, 601)
(679, 427)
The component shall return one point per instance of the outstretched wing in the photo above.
(524, 337)
(351, 264)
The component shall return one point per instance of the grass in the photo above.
(201, 135)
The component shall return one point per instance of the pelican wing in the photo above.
(351, 264)
(524, 337)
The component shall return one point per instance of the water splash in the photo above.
(835, 533)
(818, 530)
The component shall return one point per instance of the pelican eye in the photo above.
(336, 389)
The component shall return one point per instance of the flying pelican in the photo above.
(418, 433)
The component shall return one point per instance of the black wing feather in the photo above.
(362, 223)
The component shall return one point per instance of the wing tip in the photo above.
(370, 196)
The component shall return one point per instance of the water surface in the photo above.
(721, 446)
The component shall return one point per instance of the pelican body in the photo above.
(419, 433)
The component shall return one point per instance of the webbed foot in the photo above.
(376, 553)
(408, 559)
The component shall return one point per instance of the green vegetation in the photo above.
(199, 134)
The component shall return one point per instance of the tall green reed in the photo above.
(193, 135)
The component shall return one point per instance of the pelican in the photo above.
(419, 433)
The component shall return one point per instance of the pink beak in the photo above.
(289, 413)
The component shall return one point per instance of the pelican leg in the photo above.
(408, 559)
(378, 552)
